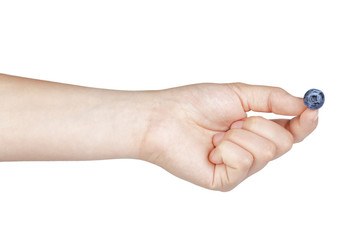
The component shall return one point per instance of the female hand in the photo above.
(201, 132)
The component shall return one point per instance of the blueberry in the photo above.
(314, 99)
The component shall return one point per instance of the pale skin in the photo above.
(199, 132)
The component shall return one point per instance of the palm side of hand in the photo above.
(183, 125)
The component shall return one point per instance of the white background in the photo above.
(310, 193)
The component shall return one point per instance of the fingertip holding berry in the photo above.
(314, 99)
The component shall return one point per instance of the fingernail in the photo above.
(237, 124)
(316, 116)
(217, 138)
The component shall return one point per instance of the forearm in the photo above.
(42, 120)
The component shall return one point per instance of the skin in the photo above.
(199, 132)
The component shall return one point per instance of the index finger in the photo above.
(276, 100)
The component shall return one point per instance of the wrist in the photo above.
(135, 111)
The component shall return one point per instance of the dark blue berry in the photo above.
(314, 99)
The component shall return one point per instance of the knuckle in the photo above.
(227, 188)
(221, 187)
(278, 91)
(254, 120)
(221, 182)
(231, 134)
(246, 161)
(269, 151)
(288, 142)
(299, 139)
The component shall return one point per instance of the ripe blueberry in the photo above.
(314, 99)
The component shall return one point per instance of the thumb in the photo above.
(301, 126)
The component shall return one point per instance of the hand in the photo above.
(201, 132)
